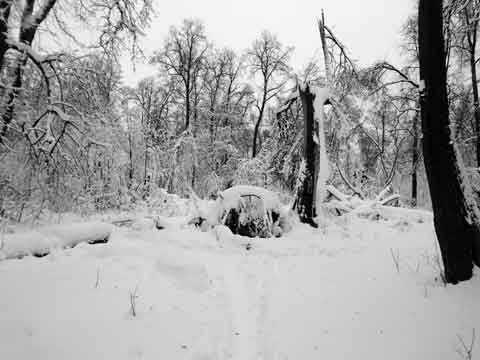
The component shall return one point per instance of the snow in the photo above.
(231, 197)
(332, 292)
(48, 238)
(321, 96)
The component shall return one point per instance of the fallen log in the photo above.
(42, 241)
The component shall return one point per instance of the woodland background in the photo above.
(73, 138)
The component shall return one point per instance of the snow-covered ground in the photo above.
(328, 293)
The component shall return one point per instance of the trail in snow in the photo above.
(332, 293)
(247, 300)
(244, 330)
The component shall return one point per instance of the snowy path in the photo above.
(242, 313)
(332, 294)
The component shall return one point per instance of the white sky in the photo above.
(370, 28)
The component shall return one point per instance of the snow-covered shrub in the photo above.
(251, 211)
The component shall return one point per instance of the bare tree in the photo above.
(268, 58)
(116, 22)
(466, 29)
(182, 56)
(215, 79)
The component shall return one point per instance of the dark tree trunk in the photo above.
(456, 230)
(414, 160)
(145, 168)
(130, 157)
(257, 127)
(305, 200)
(212, 125)
(187, 107)
(476, 108)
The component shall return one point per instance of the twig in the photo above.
(349, 184)
(396, 259)
(133, 301)
(97, 281)
(466, 352)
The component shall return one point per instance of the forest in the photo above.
(377, 165)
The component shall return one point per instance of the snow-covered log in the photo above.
(335, 193)
(42, 241)
(376, 212)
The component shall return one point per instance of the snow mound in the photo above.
(232, 197)
(43, 240)
(252, 211)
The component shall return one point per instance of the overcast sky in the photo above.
(370, 28)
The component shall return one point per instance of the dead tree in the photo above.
(454, 216)
(305, 198)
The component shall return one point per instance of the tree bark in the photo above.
(257, 127)
(476, 108)
(454, 221)
(5, 6)
(471, 37)
(187, 105)
(305, 200)
(326, 54)
(414, 160)
(130, 158)
(145, 168)
(29, 25)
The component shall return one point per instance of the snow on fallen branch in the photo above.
(42, 241)
(379, 207)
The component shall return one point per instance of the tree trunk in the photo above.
(257, 127)
(476, 108)
(305, 200)
(29, 26)
(326, 54)
(414, 160)
(11, 95)
(130, 157)
(145, 165)
(212, 125)
(5, 6)
(455, 224)
(187, 106)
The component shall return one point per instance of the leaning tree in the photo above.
(455, 213)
